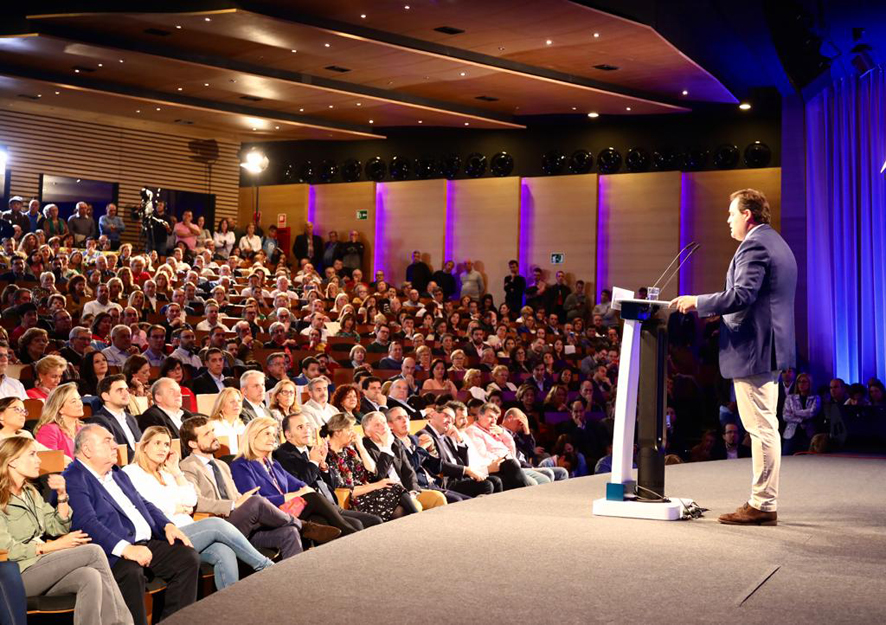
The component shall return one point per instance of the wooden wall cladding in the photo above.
(483, 225)
(411, 216)
(335, 206)
(63, 147)
(638, 229)
(289, 199)
(558, 214)
(705, 209)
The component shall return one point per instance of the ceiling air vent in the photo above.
(157, 32)
(251, 98)
(28, 96)
(184, 122)
(337, 68)
(486, 98)
(449, 30)
(80, 69)
(605, 67)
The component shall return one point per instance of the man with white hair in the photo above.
(252, 386)
(318, 408)
(167, 410)
(282, 284)
(121, 346)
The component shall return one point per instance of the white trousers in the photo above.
(757, 399)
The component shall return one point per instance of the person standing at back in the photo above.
(756, 340)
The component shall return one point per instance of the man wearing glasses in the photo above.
(9, 387)
(78, 342)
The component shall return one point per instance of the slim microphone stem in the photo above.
(676, 258)
(677, 270)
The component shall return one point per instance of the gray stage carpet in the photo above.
(537, 555)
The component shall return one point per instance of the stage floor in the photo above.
(538, 555)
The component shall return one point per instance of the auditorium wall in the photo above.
(621, 229)
(131, 157)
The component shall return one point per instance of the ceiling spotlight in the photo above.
(178, 26)
(121, 60)
(158, 108)
(101, 64)
(574, 108)
(330, 106)
(208, 19)
(301, 110)
(548, 42)
(293, 50)
(371, 121)
(76, 71)
(359, 104)
(325, 45)
(467, 124)
(138, 110)
(593, 115)
(39, 95)
(255, 162)
(420, 122)
(463, 74)
(276, 127)
(501, 48)
(627, 108)
(685, 92)
(205, 84)
(362, 16)
(254, 129)
(744, 106)
(58, 93)
(596, 35)
(406, 7)
(179, 88)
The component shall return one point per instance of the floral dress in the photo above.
(349, 471)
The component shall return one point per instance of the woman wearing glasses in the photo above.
(13, 415)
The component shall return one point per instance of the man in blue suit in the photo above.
(756, 340)
(133, 533)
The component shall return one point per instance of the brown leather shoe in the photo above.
(749, 515)
(319, 533)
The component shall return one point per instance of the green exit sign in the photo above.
(363, 215)
(557, 258)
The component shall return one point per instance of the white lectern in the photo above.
(642, 367)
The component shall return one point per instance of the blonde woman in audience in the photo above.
(61, 419)
(457, 358)
(157, 477)
(225, 417)
(283, 400)
(357, 356)
(49, 370)
(13, 415)
(472, 383)
(52, 559)
(423, 357)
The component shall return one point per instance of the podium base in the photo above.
(657, 511)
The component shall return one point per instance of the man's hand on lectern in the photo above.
(685, 303)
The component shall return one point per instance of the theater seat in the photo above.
(57, 604)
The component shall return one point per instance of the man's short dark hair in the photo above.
(186, 431)
(369, 379)
(23, 309)
(209, 352)
(287, 420)
(105, 384)
(157, 327)
(308, 361)
(754, 201)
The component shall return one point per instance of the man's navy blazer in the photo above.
(97, 514)
(105, 419)
(757, 333)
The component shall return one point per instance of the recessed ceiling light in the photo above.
(208, 19)
(39, 95)
(574, 109)
(325, 45)
(76, 71)
(359, 104)
(179, 88)
(121, 60)
(276, 127)
(627, 108)
(254, 129)
(330, 106)
(57, 92)
(548, 42)
(596, 35)
(371, 121)
(685, 92)
(501, 48)
(744, 106)
(205, 84)
(178, 26)
(467, 124)
(406, 7)
(362, 16)
(419, 121)
(138, 111)
(593, 114)
(301, 110)
(158, 108)
(463, 74)
(293, 50)
(101, 64)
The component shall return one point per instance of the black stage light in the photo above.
(352, 170)
(425, 167)
(609, 161)
(665, 159)
(450, 166)
(376, 169)
(637, 160)
(328, 170)
(581, 162)
(307, 172)
(696, 159)
(552, 162)
(726, 156)
(501, 164)
(757, 154)
(475, 165)
(400, 168)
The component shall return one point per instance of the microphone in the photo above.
(692, 251)
(676, 258)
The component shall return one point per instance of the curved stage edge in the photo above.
(538, 555)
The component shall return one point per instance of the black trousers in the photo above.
(177, 565)
(361, 520)
(511, 475)
(471, 488)
(266, 525)
(318, 509)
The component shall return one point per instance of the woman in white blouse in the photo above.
(223, 239)
(157, 477)
(250, 242)
(225, 418)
